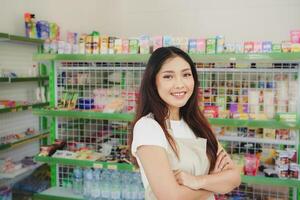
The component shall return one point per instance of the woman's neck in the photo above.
(174, 114)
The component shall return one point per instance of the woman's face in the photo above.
(175, 82)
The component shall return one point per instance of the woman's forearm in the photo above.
(187, 193)
(222, 182)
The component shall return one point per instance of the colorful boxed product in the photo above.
(183, 43)
(144, 42)
(85, 103)
(257, 47)
(201, 45)
(295, 36)
(175, 41)
(266, 46)
(220, 44)
(167, 41)
(157, 42)
(210, 111)
(276, 48)
(54, 31)
(294, 170)
(229, 48)
(282, 171)
(30, 25)
(125, 46)
(192, 45)
(111, 45)
(89, 44)
(286, 46)
(104, 44)
(248, 47)
(269, 133)
(239, 48)
(118, 46)
(282, 134)
(42, 28)
(295, 47)
(282, 157)
(95, 42)
(82, 44)
(133, 46)
(211, 46)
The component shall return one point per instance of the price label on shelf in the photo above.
(14, 110)
(113, 167)
(97, 165)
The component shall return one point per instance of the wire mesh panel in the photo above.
(258, 192)
(106, 137)
(256, 89)
(107, 87)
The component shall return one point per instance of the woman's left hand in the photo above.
(188, 180)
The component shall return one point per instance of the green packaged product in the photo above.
(133, 46)
(276, 48)
(211, 46)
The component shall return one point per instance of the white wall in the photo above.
(237, 20)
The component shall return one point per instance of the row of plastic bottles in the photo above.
(104, 184)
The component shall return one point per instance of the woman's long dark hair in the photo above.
(149, 101)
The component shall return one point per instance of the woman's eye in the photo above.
(187, 74)
(167, 76)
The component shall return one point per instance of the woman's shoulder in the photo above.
(147, 120)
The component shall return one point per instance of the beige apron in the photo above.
(193, 159)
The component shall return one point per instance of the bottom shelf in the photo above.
(57, 193)
(261, 180)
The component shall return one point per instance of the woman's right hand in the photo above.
(223, 162)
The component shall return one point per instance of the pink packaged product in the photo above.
(248, 47)
(251, 164)
(201, 45)
(125, 46)
(157, 42)
(257, 47)
(295, 36)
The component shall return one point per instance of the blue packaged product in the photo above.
(267, 47)
(42, 29)
(167, 41)
(192, 45)
(86, 103)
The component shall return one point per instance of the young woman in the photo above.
(175, 148)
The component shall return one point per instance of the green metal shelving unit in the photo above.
(54, 113)
(25, 140)
(23, 79)
(20, 108)
(16, 38)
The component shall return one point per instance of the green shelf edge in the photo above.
(275, 124)
(129, 117)
(23, 79)
(50, 197)
(40, 135)
(84, 163)
(223, 57)
(23, 107)
(84, 114)
(270, 181)
(17, 38)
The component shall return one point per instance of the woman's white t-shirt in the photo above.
(147, 131)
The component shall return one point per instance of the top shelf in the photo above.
(16, 38)
(288, 57)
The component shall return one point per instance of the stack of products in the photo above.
(16, 137)
(95, 43)
(106, 184)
